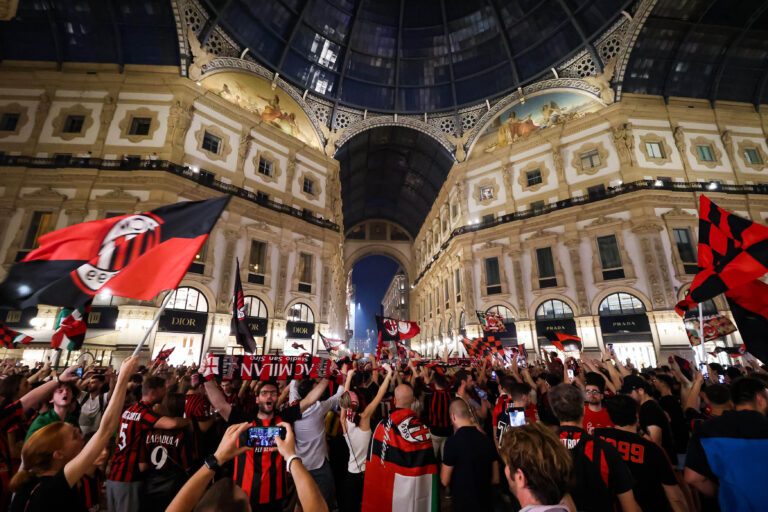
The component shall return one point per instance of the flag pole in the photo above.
(702, 349)
(154, 321)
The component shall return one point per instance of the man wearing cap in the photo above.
(652, 418)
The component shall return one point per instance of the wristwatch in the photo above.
(211, 462)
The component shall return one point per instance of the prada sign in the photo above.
(257, 326)
(299, 330)
(182, 321)
(102, 317)
(625, 323)
(18, 317)
(564, 325)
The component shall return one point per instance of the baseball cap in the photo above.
(632, 382)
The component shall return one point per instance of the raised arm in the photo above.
(310, 497)
(40, 393)
(693, 395)
(365, 416)
(314, 395)
(217, 399)
(76, 468)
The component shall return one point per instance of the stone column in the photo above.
(573, 245)
(285, 249)
(646, 233)
(75, 215)
(679, 135)
(516, 255)
(469, 288)
(179, 121)
(107, 115)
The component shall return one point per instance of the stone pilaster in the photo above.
(646, 234)
(573, 245)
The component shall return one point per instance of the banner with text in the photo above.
(247, 367)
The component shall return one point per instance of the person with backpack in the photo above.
(93, 401)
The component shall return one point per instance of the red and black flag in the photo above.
(473, 347)
(732, 252)
(243, 334)
(749, 306)
(490, 321)
(331, 344)
(732, 351)
(72, 324)
(9, 338)
(402, 351)
(566, 342)
(685, 367)
(391, 329)
(715, 327)
(164, 354)
(135, 256)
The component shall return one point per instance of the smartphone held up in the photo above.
(264, 437)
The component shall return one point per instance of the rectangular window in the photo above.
(685, 249)
(546, 263)
(653, 149)
(590, 159)
(458, 281)
(487, 219)
(610, 258)
(73, 124)
(705, 153)
(198, 264)
(262, 196)
(533, 177)
(9, 121)
(39, 226)
(537, 206)
(309, 186)
(492, 276)
(305, 268)
(140, 126)
(753, 156)
(596, 192)
(211, 143)
(265, 167)
(486, 193)
(447, 292)
(258, 257)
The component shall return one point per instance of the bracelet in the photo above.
(288, 462)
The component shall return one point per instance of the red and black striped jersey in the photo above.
(232, 399)
(10, 416)
(135, 422)
(90, 489)
(261, 472)
(500, 407)
(437, 405)
(165, 448)
(196, 407)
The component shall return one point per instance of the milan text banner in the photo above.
(248, 367)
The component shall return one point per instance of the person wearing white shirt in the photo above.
(93, 403)
(311, 445)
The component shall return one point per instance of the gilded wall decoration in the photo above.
(586, 148)
(225, 148)
(74, 110)
(143, 112)
(272, 105)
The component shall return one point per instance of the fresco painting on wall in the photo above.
(536, 113)
(256, 95)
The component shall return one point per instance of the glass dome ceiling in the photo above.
(412, 55)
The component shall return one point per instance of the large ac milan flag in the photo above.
(243, 334)
(9, 338)
(391, 329)
(135, 256)
(72, 325)
(492, 322)
(566, 342)
(732, 252)
(715, 326)
(749, 306)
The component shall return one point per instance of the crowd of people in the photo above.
(556, 435)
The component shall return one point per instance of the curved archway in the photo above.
(594, 308)
(378, 249)
(562, 298)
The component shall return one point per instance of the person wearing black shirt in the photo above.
(470, 464)
(656, 488)
(652, 418)
(600, 477)
(673, 408)
(727, 454)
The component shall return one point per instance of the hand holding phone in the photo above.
(704, 370)
(264, 437)
(570, 374)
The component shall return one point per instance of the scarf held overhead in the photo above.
(249, 367)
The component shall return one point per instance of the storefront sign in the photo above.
(547, 328)
(102, 317)
(182, 321)
(299, 330)
(625, 323)
(19, 317)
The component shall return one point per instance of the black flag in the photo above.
(239, 323)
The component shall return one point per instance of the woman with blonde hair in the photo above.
(55, 457)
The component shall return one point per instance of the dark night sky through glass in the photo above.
(371, 277)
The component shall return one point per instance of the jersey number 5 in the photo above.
(123, 440)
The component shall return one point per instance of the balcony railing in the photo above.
(625, 188)
(199, 176)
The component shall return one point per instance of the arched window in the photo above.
(553, 309)
(462, 323)
(255, 307)
(620, 304)
(440, 331)
(503, 311)
(450, 327)
(300, 312)
(188, 299)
